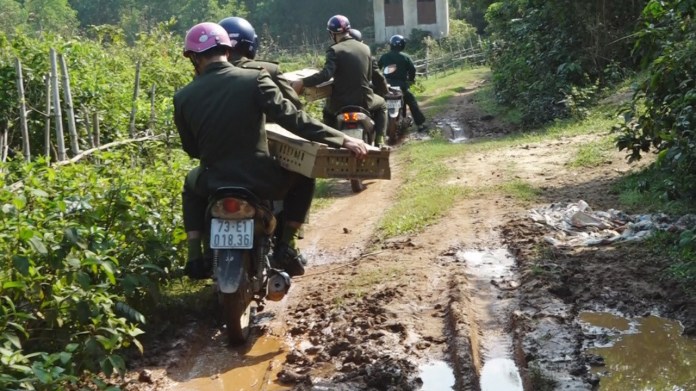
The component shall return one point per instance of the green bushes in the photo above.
(84, 250)
(548, 57)
(661, 115)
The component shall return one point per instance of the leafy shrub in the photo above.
(84, 249)
(548, 57)
(661, 115)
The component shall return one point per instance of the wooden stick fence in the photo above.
(54, 111)
(22, 111)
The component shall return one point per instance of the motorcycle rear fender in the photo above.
(229, 270)
(354, 132)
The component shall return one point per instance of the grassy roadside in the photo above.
(425, 195)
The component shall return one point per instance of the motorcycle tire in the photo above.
(356, 184)
(392, 131)
(238, 313)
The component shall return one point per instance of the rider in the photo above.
(402, 76)
(245, 44)
(349, 63)
(220, 117)
(379, 83)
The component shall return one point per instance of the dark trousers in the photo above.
(298, 192)
(410, 101)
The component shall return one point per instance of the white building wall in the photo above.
(383, 32)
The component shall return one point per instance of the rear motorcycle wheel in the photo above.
(356, 184)
(392, 130)
(238, 312)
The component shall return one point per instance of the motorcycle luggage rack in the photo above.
(316, 160)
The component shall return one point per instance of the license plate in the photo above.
(393, 104)
(357, 133)
(225, 234)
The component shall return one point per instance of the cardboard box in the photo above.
(320, 91)
(317, 160)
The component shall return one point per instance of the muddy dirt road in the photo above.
(475, 301)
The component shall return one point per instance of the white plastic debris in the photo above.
(576, 224)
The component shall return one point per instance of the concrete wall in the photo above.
(439, 29)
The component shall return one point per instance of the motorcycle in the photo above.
(240, 235)
(356, 121)
(398, 120)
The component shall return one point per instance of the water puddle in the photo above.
(454, 131)
(493, 283)
(500, 374)
(437, 376)
(647, 353)
(226, 369)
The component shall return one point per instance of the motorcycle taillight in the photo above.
(232, 208)
(230, 205)
(353, 117)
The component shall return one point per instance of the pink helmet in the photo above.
(204, 36)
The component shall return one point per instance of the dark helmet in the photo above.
(242, 35)
(356, 34)
(338, 24)
(397, 42)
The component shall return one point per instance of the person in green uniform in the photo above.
(220, 117)
(245, 45)
(349, 62)
(377, 80)
(401, 73)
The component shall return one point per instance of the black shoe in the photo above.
(289, 259)
(422, 128)
(199, 268)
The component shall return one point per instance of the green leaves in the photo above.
(548, 58)
(83, 248)
(661, 115)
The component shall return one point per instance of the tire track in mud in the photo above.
(358, 320)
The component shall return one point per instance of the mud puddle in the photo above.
(648, 353)
(221, 368)
(454, 131)
(437, 376)
(492, 290)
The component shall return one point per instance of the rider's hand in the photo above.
(298, 86)
(355, 145)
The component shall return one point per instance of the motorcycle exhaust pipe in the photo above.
(278, 286)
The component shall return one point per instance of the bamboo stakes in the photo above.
(22, 111)
(72, 129)
(56, 105)
(47, 126)
(134, 108)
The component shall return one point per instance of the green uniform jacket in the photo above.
(220, 117)
(274, 70)
(405, 69)
(349, 62)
